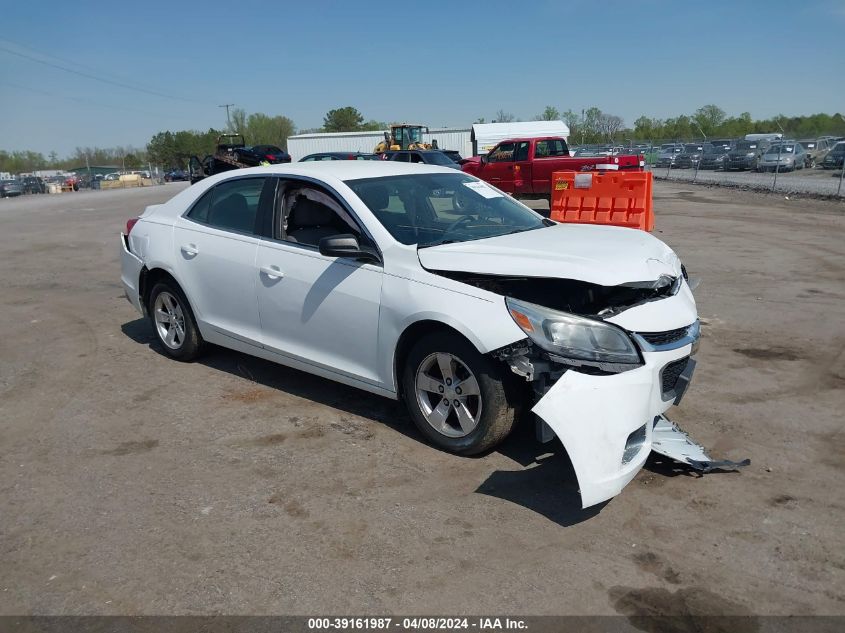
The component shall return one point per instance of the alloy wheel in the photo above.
(169, 320)
(448, 394)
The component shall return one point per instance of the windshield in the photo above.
(436, 158)
(808, 144)
(691, 149)
(431, 209)
(745, 146)
(839, 148)
(783, 149)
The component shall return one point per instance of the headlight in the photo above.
(573, 336)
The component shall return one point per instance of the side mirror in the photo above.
(484, 159)
(345, 245)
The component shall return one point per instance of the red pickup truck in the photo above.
(523, 167)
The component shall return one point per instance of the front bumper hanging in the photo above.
(669, 440)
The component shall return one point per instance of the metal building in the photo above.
(301, 145)
(485, 136)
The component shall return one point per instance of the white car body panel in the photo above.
(343, 319)
(309, 310)
(130, 274)
(219, 268)
(568, 251)
(670, 313)
(594, 415)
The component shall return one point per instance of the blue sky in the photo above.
(434, 62)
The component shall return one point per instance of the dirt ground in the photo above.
(133, 484)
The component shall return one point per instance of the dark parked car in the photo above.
(338, 156)
(691, 154)
(668, 154)
(714, 157)
(424, 156)
(176, 175)
(722, 143)
(10, 188)
(835, 157)
(746, 155)
(258, 154)
(34, 184)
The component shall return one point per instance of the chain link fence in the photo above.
(758, 162)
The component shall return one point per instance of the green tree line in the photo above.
(594, 126)
(173, 149)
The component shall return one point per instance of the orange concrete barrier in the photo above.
(619, 198)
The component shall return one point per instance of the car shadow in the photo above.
(545, 483)
(292, 381)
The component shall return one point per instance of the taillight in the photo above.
(270, 157)
(130, 224)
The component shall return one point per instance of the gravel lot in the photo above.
(132, 484)
(819, 182)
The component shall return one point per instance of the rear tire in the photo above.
(444, 367)
(173, 322)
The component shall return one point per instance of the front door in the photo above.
(320, 310)
(497, 168)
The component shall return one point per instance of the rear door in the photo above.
(216, 243)
(550, 155)
(522, 170)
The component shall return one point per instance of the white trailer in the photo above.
(485, 136)
(301, 145)
(771, 136)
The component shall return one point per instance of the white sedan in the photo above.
(426, 284)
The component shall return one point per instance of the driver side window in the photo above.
(309, 214)
(502, 153)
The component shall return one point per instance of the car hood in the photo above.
(604, 255)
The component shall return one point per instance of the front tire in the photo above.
(456, 396)
(173, 322)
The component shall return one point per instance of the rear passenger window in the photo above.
(550, 148)
(199, 212)
(231, 205)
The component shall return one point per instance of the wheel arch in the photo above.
(410, 335)
(147, 280)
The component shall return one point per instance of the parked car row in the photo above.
(755, 154)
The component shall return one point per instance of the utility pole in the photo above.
(227, 106)
(780, 148)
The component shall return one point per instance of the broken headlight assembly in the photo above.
(570, 336)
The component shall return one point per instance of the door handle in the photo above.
(189, 249)
(273, 272)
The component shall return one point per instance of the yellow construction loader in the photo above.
(404, 136)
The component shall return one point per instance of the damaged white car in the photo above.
(428, 285)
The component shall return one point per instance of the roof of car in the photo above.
(351, 169)
(333, 173)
